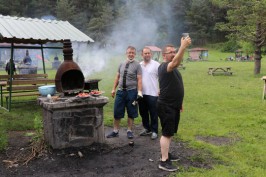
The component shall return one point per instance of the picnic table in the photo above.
(264, 88)
(220, 70)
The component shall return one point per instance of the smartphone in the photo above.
(184, 35)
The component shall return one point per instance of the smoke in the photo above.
(90, 59)
(137, 28)
(141, 24)
(48, 17)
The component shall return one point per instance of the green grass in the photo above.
(227, 106)
(214, 106)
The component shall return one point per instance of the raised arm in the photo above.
(185, 42)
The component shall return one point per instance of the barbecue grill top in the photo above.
(92, 80)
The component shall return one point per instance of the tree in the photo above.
(200, 19)
(65, 10)
(100, 24)
(37, 9)
(246, 21)
(27, 8)
(12, 8)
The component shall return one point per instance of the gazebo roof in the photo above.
(37, 31)
(198, 49)
(154, 48)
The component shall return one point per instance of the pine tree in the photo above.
(101, 23)
(247, 22)
(65, 10)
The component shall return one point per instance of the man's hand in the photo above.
(139, 95)
(182, 109)
(113, 93)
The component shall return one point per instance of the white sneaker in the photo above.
(144, 132)
(154, 136)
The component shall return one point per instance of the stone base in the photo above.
(73, 124)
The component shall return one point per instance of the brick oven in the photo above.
(69, 120)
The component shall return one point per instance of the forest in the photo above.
(99, 18)
(235, 24)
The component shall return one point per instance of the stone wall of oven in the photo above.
(73, 124)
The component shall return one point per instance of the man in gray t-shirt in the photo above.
(129, 82)
(133, 70)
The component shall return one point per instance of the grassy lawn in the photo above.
(228, 107)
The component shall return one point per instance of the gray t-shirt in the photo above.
(133, 70)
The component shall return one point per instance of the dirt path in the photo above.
(115, 158)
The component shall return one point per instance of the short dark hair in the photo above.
(145, 48)
(131, 47)
(166, 46)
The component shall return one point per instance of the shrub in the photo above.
(230, 46)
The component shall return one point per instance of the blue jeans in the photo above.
(148, 112)
(124, 100)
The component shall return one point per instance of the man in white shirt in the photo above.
(150, 91)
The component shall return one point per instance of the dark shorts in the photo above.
(169, 118)
(124, 100)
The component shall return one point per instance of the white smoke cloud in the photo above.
(137, 27)
(90, 59)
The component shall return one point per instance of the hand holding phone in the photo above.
(184, 35)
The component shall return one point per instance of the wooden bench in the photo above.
(220, 70)
(21, 85)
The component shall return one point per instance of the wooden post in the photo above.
(44, 71)
(264, 87)
(11, 76)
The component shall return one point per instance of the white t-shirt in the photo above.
(150, 85)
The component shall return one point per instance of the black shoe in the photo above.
(172, 158)
(167, 166)
(130, 135)
(112, 134)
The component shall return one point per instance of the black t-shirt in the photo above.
(171, 86)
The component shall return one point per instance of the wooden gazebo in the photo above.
(29, 33)
(198, 54)
(156, 51)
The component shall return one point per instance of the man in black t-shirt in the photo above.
(170, 100)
